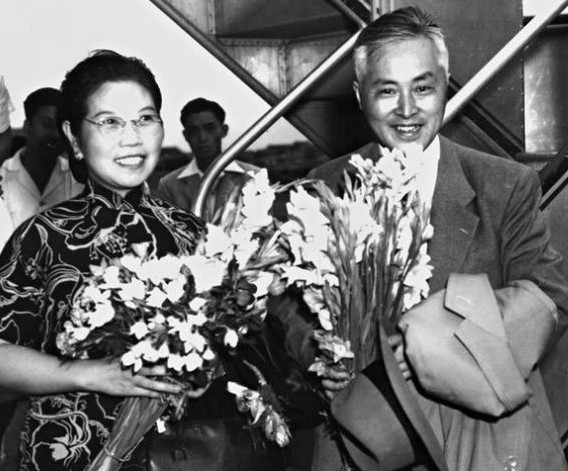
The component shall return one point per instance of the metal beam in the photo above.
(516, 44)
(267, 120)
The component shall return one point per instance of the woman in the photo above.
(111, 118)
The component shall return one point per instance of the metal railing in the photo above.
(454, 106)
(495, 64)
(266, 121)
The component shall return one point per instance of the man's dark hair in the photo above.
(398, 25)
(199, 105)
(41, 97)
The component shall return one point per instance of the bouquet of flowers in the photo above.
(178, 311)
(360, 258)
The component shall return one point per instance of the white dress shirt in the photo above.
(22, 197)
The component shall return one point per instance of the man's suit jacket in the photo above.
(486, 220)
(182, 191)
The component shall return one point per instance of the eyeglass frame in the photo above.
(121, 122)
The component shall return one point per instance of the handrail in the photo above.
(348, 12)
(454, 106)
(266, 121)
(517, 43)
(550, 181)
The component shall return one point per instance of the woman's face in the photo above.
(123, 158)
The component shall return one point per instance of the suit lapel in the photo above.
(454, 223)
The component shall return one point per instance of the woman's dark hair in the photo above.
(81, 82)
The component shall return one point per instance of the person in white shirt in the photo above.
(6, 107)
(38, 176)
(204, 128)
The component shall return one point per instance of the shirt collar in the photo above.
(15, 163)
(134, 197)
(192, 169)
(428, 173)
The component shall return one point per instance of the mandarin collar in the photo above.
(133, 198)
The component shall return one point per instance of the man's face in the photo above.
(42, 133)
(204, 133)
(403, 93)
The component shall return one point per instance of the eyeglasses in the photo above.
(114, 126)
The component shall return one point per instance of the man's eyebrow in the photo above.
(381, 81)
(424, 76)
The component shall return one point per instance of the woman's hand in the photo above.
(107, 377)
(397, 344)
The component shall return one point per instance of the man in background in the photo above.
(6, 107)
(37, 176)
(204, 129)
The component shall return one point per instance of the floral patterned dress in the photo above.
(41, 268)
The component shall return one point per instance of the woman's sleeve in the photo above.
(23, 264)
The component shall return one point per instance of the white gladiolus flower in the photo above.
(135, 289)
(131, 262)
(245, 245)
(134, 356)
(103, 313)
(175, 289)
(192, 362)
(257, 197)
(262, 281)
(218, 243)
(139, 329)
(197, 303)
(162, 269)
(110, 278)
(175, 362)
(428, 232)
(80, 333)
(156, 298)
(208, 354)
(231, 339)
(192, 341)
(163, 351)
(150, 354)
(324, 317)
(198, 319)
(209, 272)
(91, 293)
(297, 274)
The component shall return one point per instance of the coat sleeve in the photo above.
(474, 347)
(526, 250)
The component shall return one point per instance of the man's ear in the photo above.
(185, 135)
(225, 128)
(26, 127)
(357, 94)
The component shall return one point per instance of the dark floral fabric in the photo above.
(42, 266)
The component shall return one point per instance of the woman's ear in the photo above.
(66, 126)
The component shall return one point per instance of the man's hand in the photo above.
(334, 380)
(397, 344)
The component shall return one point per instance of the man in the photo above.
(37, 176)
(485, 215)
(204, 128)
(6, 108)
